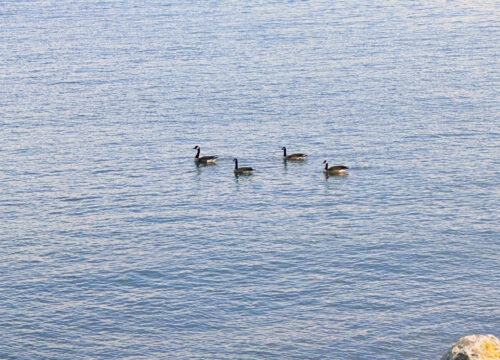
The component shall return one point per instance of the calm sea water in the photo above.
(114, 245)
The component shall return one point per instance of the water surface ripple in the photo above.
(115, 245)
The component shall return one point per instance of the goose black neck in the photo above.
(284, 151)
(326, 166)
(197, 153)
(235, 164)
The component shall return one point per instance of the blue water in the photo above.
(114, 245)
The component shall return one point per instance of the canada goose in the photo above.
(246, 170)
(296, 156)
(204, 159)
(334, 170)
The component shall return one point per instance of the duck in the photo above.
(334, 170)
(246, 170)
(211, 159)
(296, 156)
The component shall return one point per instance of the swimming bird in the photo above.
(204, 159)
(246, 170)
(334, 170)
(296, 156)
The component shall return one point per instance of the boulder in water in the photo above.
(474, 347)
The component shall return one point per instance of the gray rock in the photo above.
(474, 347)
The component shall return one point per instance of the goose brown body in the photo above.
(296, 156)
(334, 170)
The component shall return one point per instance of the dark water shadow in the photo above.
(293, 163)
(242, 178)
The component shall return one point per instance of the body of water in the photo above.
(114, 245)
